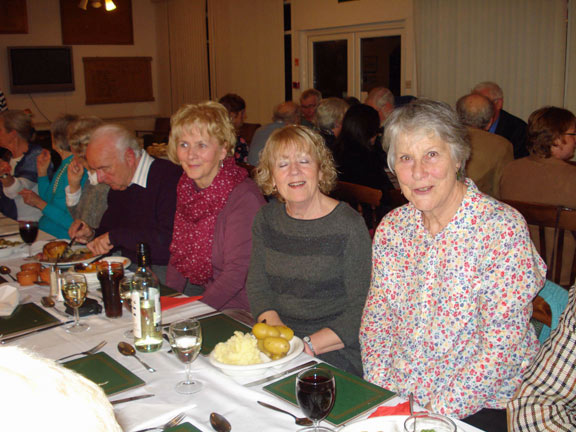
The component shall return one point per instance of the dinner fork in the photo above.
(90, 351)
(174, 422)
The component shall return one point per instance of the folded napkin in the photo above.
(9, 299)
(400, 409)
(172, 302)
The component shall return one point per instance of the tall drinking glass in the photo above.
(74, 289)
(186, 341)
(110, 274)
(126, 297)
(316, 393)
(28, 232)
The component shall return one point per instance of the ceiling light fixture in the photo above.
(96, 4)
(83, 4)
(110, 5)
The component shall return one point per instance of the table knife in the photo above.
(130, 399)
(11, 338)
(281, 374)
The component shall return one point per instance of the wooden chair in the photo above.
(250, 168)
(361, 198)
(562, 221)
(541, 311)
(160, 133)
(247, 131)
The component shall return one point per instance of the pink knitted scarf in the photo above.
(195, 220)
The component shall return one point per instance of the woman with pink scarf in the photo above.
(217, 202)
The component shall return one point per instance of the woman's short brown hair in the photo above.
(210, 118)
(80, 131)
(545, 126)
(302, 139)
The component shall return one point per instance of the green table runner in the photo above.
(354, 396)
(184, 427)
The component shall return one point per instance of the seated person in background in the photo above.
(217, 202)
(88, 202)
(40, 395)
(237, 109)
(310, 265)
(309, 100)
(284, 114)
(545, 176)
(329, 116)
(453, 279)
(356, 157)
(21, 171)
(490, 152)
(51, 196)
(546, 400)
(141, 200)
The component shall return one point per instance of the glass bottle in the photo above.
(146, 310)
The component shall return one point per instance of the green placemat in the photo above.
(354, 396)
(166, 291)
(219, 328)
(26, 317)
(184, 427)
(102, 369)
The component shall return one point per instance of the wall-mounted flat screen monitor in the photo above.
(41, 69)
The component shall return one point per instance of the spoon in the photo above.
(302, 421)
(128, 350)
(47, 302)
(219, 423)
(6, 271)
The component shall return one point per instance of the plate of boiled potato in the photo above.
(250, 353)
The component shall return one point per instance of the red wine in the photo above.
(316, 395)
(110, 284)
(29, 233)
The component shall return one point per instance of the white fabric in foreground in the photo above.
(9, 299)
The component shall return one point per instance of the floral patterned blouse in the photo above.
(447, 316)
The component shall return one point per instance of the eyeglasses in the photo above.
(570, 133)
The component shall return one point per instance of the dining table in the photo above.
(221, 393)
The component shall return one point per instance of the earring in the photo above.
(222, 164)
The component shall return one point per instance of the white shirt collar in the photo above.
(141, 174)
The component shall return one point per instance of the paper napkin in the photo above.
(9, 299)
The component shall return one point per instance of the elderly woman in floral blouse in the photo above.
(454, 274)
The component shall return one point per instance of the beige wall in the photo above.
(44, 29)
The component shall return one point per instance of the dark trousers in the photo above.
(489, 420)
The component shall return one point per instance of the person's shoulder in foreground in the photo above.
(546, 400)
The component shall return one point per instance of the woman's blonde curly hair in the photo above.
(304, 140)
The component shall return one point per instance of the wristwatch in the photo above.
(308, 342)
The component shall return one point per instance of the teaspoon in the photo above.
(219, 423)
(6, 271)
(128, 350)
(302, 421)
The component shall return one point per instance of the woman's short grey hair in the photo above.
(80, 132)
(19, 121)
(427, 117)
(330, 112)
(123, 138)
(59, 130)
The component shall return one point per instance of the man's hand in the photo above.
(43, 162)
(80, 231)
(32, 199)
(75, 173)
(100, 245)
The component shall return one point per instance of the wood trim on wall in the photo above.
(14, 17)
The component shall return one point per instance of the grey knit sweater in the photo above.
(313, 273)
(92, 205)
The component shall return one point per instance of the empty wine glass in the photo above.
(186, 341)
(28, 232)
(74, 289)
(316, 393)
(126, 297)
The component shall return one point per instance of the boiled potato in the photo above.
(286, 332)
(263, 330)
(276, 346)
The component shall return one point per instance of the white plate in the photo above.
(68, 263)
(5, 252)
(296, 347)
(377, 424)
(92, 278)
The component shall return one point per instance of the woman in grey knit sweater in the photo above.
(311, 255)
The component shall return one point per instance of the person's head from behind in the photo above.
(113, 153)
(475, 110)
(382, 100)
(551, 133)
(59, 132)
(309, 100)
(359, 127)
(330, 113)
(287, 112)
(201, 137)
(427, 148)
(79, 133)
(15, 125)
(236, 106)
(295, 164)
(39, 394)
(493, 92)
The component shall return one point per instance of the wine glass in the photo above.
(316, 393)
(74, 290)
(186, 340)
(126, 297)
(28, 232)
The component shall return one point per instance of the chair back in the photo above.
(563, 221)
(250, 168)
(362, 198)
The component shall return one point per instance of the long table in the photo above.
(221, 393)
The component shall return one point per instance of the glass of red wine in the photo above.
(316, 393)
(28, 232)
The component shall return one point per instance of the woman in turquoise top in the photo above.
(51, 196)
